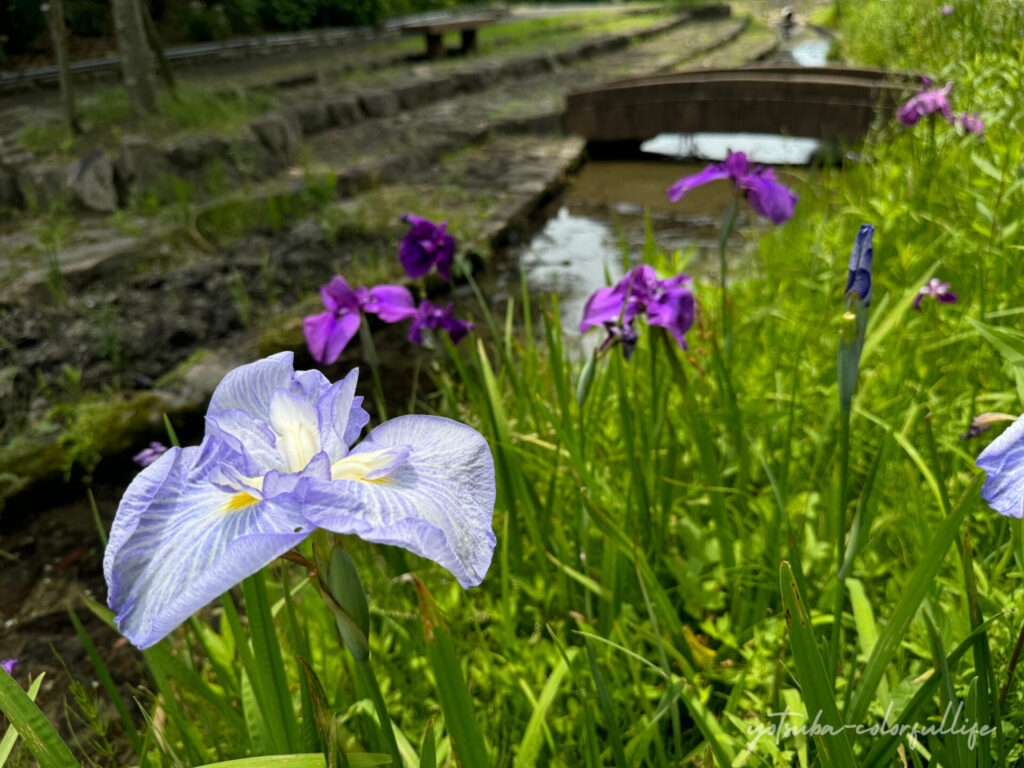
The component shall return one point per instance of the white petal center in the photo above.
(369, 465)
(295, 425)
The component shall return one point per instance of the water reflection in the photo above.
(759, 147)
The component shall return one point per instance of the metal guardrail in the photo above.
(45, 76)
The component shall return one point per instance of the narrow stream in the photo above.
(596, 228)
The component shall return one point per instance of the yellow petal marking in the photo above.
(240, 500)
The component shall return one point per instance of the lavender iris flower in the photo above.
(938, 290)
(926, 103)
(759, 186)
(328, 333)
(147, 456)
(971, 123)
(8, 665)
(277, 462)
(859, 280)
(946, 10)
(666, 303)
(1003, 463)
(425, 245)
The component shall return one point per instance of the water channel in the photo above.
(596, 228)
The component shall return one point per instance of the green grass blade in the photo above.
(103, 675)
(269, 666)
(456, 703)
(604, 700)
(39, 736)
(815, 684)
(356, 760)
(529, 747)
(428, 750)
(9, 739)
(914, 593)
(883, 749)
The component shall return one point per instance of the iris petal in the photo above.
(438, 503)
(250, 387)
(177, 543)
(341, 416)
(1003, 462)
(711, 173)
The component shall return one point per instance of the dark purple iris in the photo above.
(926, 103)
(328, 333)
(147, 456)
(434, 318)
(938, 290)
(619, 334)
(758, 185)
(666, 303)
(8, 665)
(859, 280)
(426, 245)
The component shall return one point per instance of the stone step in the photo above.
(100, 183)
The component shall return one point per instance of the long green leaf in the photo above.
(529, 747)
(815, 684)
(33, 727)
(272, 684)
(356, 760)
(456, 703)
(9, 739)
(913, 594)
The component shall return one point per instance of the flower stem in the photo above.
(368, 678)
(725, 230)
(370, 351)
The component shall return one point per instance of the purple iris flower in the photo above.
(8, 665)
(758, 184)
(859, 280)
(429, 316)
(926, 103)
(625, 335)
(971, 123)
(147, 456)
(425, 245)
(946, 10)
(328, 333)
(666, 303)
(1003, 463)
(938, 290)
(276, 463)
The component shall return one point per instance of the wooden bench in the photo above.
(434, 31)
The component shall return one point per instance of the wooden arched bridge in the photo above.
(835, 104)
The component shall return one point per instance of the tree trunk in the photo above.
(54, 11)
(157, 47)
(136, 61)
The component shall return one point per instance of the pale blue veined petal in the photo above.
(437, 503)
(341, 416)
(1003, 462)
(251, 439)
(178, 542)
(250, 387)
